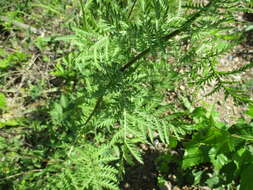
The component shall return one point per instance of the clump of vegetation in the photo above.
(109, 92)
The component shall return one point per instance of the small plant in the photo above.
(9, 60)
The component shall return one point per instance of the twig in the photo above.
(100, 99)
(134, 59)
(132, 8)
(19, 174)
(146, 51)
(166, 38)
(20, 25)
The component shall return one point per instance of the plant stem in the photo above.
(166, 38)
(142, 54)
(81, 3)
(21, 25)
(132, 8)
(22, 173)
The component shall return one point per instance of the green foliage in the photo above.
(3, 101)
(124, 57)
(246, 176)
(91, 169)
(87, 167)
(10, 122)
(225, 152)
(250, 111)
(8, 61)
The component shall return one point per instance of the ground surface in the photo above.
(229, 111)
(30, 83)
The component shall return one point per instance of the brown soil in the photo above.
(142, 176)
(229, 110)
(138, 177)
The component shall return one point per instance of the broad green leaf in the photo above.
(13, 59)
(3, 101)
(197, 176)
(199, 112)
(221, 139)
(172, 142)
(9, 122)
(64, 101)
(218, 160)
(193, 156)
(187, 104)
(57, 113)
(250, 111)
(212, 181)
(4, 63)
(249, 28)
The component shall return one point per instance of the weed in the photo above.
(123, 57)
